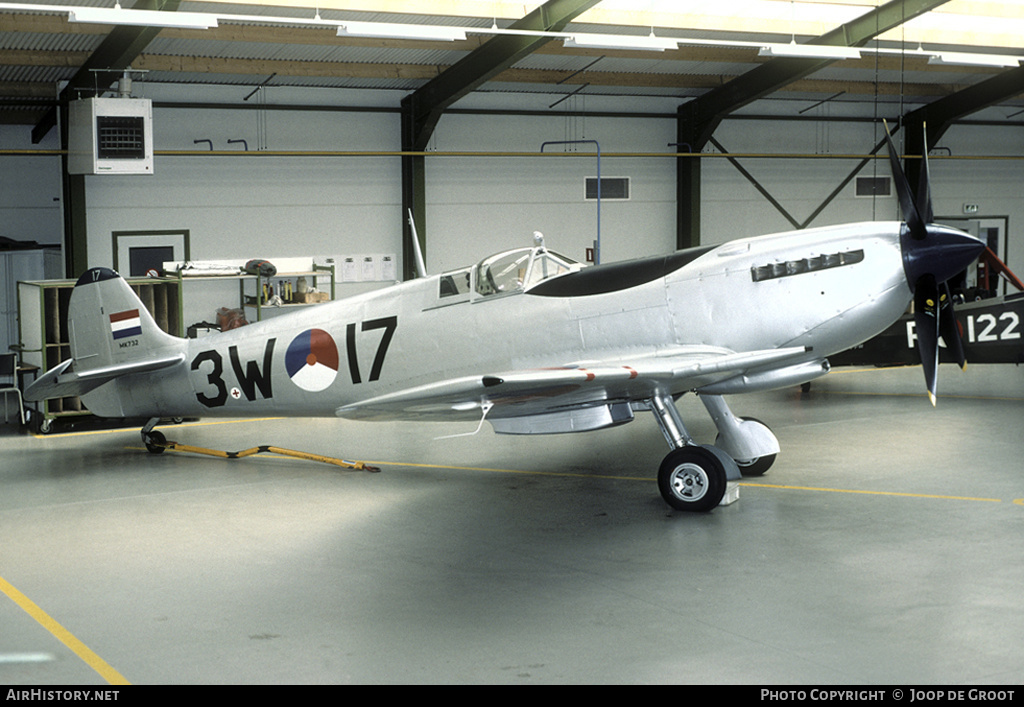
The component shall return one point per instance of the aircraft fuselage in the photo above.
(827, 289)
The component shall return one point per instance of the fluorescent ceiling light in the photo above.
(962, 59)
(620, 41)
(144, 18)
(391, 30)
(809, 51)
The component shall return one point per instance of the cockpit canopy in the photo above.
(520, 269)
(505, 273)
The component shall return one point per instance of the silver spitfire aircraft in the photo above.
(555, 347)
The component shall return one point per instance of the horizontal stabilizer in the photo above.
(64, 380)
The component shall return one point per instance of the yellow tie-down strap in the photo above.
(353, 465)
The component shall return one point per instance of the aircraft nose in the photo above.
(943, 253)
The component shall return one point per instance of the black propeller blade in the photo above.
(932, 254)
(926, 323)
(908, 206)
(949, 328)
(924, 187)
(934, 318)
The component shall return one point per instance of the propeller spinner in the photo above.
(932, 254)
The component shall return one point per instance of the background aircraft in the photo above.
(534, 343)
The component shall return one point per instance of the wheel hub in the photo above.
(690, 481)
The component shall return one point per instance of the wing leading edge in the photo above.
(540, 391)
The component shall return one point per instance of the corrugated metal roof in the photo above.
(618, 65)
(300, 52)
(40, 42)
(251, 80)
(239, 52)
(36, 74)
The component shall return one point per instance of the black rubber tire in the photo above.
(155, 442)
(692, 479)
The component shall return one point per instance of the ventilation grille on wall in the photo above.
(874, 186)
(120, 137)
(611, 188)
(110, 136)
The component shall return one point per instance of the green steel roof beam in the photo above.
(698, 119)
(939, 115)
(706, 112)
(428, 102)
(116, 53)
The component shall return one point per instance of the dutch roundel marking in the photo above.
(312, 360)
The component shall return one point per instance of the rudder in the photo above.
(109, 325)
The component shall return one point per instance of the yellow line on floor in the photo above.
(650, 480)
(511, 471)
(629, 478)
(63, 635)
(870, 493)
(204, 423)
(940, 396)
(838, 372)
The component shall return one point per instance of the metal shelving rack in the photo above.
(254, 299)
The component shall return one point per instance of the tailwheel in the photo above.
(155, 442)
(692, 479)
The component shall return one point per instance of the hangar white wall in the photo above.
(283, 206)
(258, 206)
(316, 205)
(994, 185)
(30, 188)
(733, 208)
(480, 205)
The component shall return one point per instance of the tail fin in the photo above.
(111, 335)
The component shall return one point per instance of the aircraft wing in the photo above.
(537, 391)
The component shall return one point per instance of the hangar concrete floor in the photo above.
(884, 547)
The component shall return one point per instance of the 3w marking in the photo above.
(255, 379)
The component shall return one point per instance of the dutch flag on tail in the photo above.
(125, 324)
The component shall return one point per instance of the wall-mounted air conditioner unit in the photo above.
(110, 136)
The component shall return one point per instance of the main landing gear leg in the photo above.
(671, 424)
(691, 477)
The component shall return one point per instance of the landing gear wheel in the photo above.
(691, 479)
(155, 442)
(758, 465)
